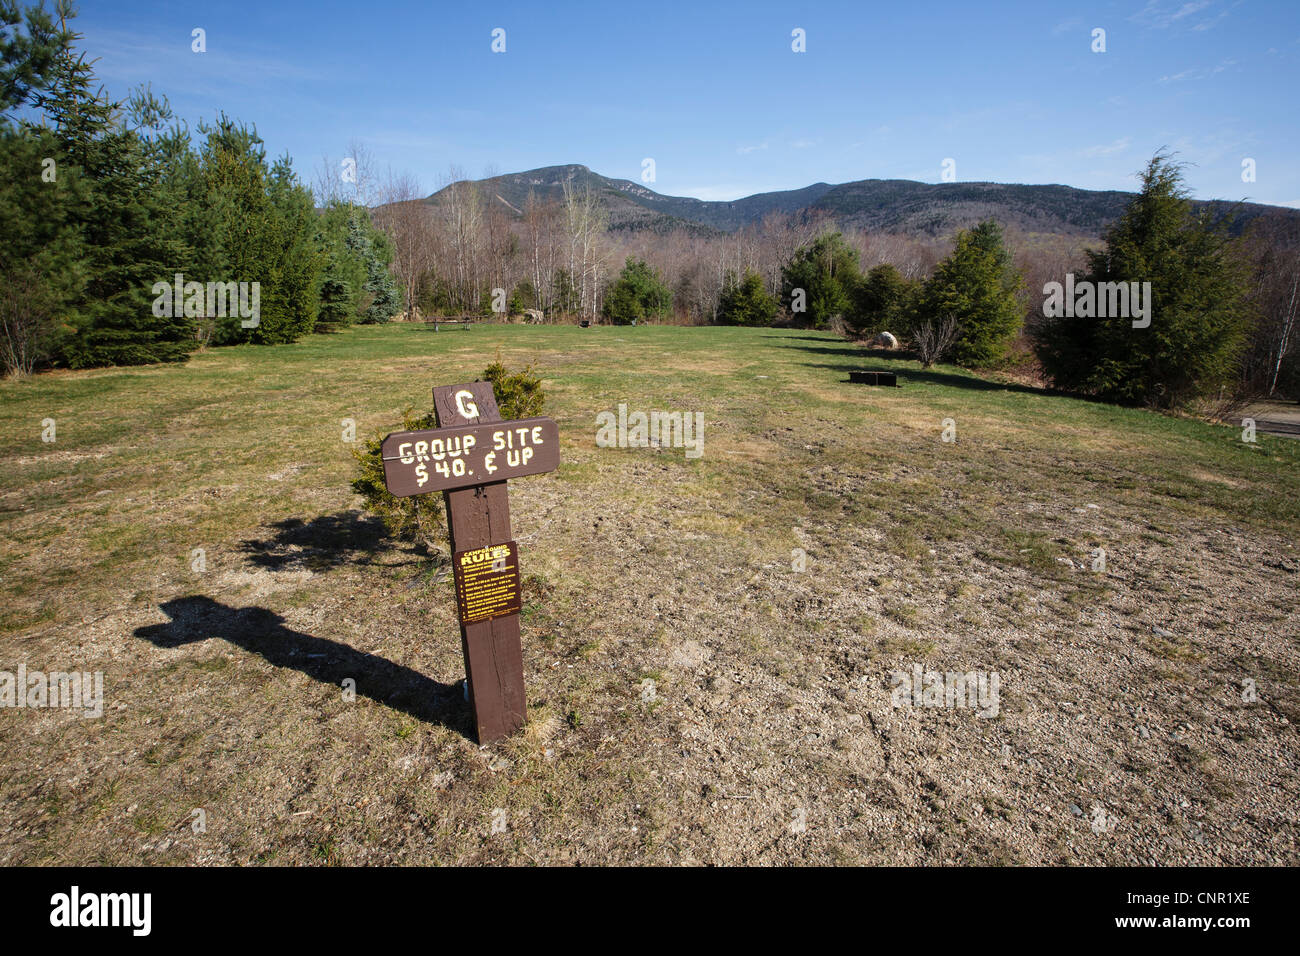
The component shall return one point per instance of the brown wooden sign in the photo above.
(478, 520)
(441, 459)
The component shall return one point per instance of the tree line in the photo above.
(108, 206)
(1225, 306)
(112, 205)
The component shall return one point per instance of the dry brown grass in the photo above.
(770, 687)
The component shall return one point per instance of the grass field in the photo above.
(692, 696)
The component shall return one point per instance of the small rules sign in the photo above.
(487, 582)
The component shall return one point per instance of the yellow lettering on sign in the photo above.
(517, 438)
(482, 555)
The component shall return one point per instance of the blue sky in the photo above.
(714, 94)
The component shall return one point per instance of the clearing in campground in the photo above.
(713, 645)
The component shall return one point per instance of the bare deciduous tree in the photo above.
(1285, 329)
(542, 233)
(26, 320)
(1272, 256)
(586, 219)
(933, 336)
(350, 180)
(462, 209)
(408, 221)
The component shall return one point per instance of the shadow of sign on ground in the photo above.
(262, 632)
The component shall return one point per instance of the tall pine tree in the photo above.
(817, 282)
(978, 285)
(1198, 313)
(121, 221)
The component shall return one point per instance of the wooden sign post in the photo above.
(469, 457)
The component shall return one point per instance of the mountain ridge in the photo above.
(882, 205)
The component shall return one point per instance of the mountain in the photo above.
(633, 206)
(878, 205)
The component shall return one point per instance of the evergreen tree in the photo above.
(31, 45)
(433, 294)
(121, 221)
(336, 300)
(341, 274)
(746, 302)
(978, 285)
(385, 295)
(263, 229)
(637, 293)
(817, 281)
(295, 259)
(108, 200)
(1198, 314)
(370, 248)
(41, 270)
(232, 196)
(882, 301)
(356, 260)
(523, 297)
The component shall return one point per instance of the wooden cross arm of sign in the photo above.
(462, 456)
(468, 458)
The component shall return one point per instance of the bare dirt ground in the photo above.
(710, 645)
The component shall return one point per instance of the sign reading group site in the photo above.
(469, 457)
(441, 459)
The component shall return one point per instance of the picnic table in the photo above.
(464, 321)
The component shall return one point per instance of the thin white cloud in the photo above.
(1162, 16)
(1108, 149)
(1198, 74)
(746, 150)
(1208, 150)
(173, 67)
(1187, 9)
